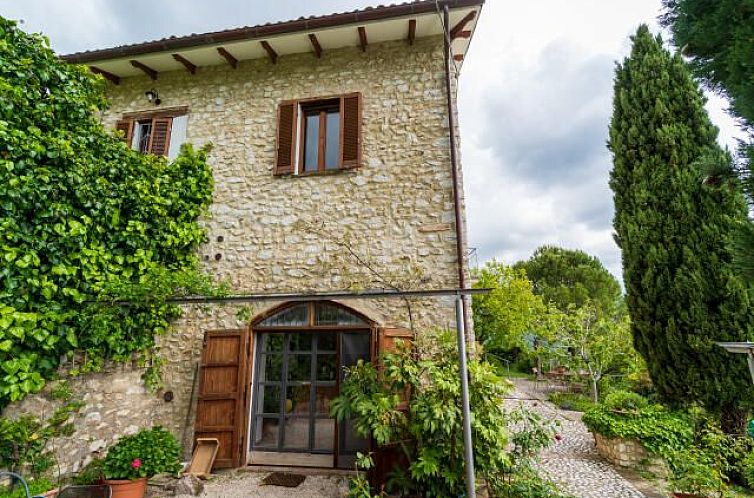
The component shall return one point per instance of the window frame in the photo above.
(323, 107)
(134, 119)
(298, 138)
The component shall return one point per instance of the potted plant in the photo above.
(134, 459)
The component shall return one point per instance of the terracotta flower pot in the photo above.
(127, 488)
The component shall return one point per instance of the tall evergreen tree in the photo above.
(674, 232)
(718, 39)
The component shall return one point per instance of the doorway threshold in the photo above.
(273, 458)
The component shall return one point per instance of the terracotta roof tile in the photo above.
(268, 29)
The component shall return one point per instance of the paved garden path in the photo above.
(573, 462)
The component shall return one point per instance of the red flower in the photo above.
(558, 437)
(136, 463)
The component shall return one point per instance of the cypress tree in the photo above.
(674, 233)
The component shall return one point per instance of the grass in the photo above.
(571, 401)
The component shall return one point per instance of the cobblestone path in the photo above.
(573, 462)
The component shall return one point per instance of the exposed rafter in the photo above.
(458, 57)
(270, 51)
(112, 78)
(411, 31)
(228, 57)
(315, 45)
(147, 70)
(190, 66)
(363, 38)
(458, 28)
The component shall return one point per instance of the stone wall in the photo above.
(293, 234)
(628, 453)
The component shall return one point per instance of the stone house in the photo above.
(334, 169)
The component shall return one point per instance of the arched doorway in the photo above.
(300, 353)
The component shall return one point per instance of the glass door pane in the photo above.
(354, 346)
(297, 375)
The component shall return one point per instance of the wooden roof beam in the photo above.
(363, 38)
(112, 78)
(270, 51)
(458, 57)
(147, 70)
(458, 28)
(315, 45)
(228, 57)
(190, 66)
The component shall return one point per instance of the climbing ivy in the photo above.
(85, 222)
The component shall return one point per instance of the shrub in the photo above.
(746, 469)
(659, 430)
(36, 487)
(525, 484)
(430, 432)
(24, 441)
(144, 454)
(693, 472)
(571, 401)
(625, 401)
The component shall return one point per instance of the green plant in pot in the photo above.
(134, 459)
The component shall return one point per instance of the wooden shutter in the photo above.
(389, 336)
(286, 140)
(388, 341)
(126, 127)
(388, 458)
(350, 131)
(221, 405)
(159, 142)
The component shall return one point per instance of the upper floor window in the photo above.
(159, 134)
(318, 135)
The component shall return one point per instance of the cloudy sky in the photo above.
(535, 100)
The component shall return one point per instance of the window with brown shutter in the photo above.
(149, 135)
(319, 135)
(286, 137)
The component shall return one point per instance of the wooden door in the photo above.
(222, 401)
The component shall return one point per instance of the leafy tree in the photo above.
(718, 38)
(82, 217)
(568, 277)
(674, 234)
(504, 316)
(594, 345)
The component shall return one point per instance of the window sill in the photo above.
(327, 172)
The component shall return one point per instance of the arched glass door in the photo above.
(301, 353)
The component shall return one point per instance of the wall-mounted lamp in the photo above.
(153, 96)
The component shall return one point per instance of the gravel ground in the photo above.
(573, 462)
(245, 484)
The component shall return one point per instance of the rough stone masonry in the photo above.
(279, 234)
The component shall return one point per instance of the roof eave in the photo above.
(264, 31)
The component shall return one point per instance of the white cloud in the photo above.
(535, 100)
